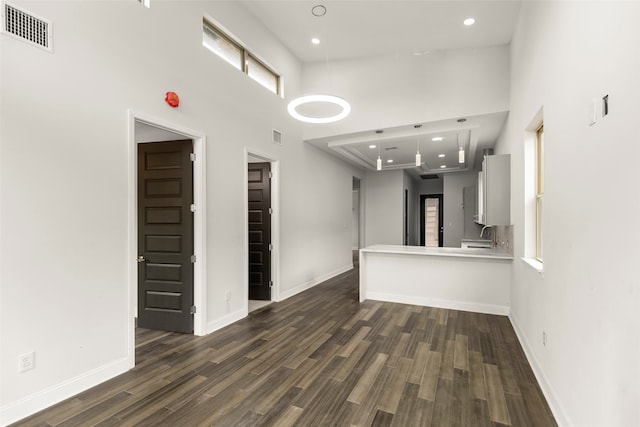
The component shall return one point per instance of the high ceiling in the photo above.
(354, 29)
(360, 28)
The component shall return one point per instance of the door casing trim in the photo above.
(199, 222)
(275, 223)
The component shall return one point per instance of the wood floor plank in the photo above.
(346, 367)
(461, 353)
(391, 395)
(429, 381)
(476, 376)
(322, 358)
(495, 395)
(359, 393)
(419, 363)
(289, 418)
(446, 367)
(354, 341)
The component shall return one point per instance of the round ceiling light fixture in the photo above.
(318, 10)
(309, 99)
(469, 21)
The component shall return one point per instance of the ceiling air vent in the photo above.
(26, 27)
(430, 176)
(276, 137)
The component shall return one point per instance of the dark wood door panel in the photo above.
(165, 236)
(259, 197)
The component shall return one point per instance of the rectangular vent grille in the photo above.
(27, 27)
(430, 176)
(276, 137)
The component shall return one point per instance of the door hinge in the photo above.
(192, 157)
(270, 211)
(270, 174)
(193, 259)
(193, 207)
(193, 310)
(271, 283)
(270, 247)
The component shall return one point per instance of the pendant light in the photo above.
(418, 156)
(460, 147)
(319, 11)
(379, 160)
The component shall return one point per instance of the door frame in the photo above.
(423, 197)
(275, 223)
(199, 222)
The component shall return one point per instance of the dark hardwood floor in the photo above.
(322, 358)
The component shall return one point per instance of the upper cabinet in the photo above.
(494, 191)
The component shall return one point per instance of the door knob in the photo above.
(141, 258)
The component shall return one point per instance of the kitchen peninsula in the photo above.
(466, 279)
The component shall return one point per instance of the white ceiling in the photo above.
(358, 28)
(361, 28)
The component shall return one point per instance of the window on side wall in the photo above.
(539, 170)
(232, 51)
(534, 193)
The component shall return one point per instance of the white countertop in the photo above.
(448, 252)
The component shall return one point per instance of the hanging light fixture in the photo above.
(418, 156)
(379, 160)
(460, 147)
(319, 11)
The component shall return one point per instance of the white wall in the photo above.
(453, 212)
(384, 207)
(400, 90)
(564, 54)
(65, 188)
(430, 186)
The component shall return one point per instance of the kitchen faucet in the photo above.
(484, 228)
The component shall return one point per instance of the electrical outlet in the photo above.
(26, 361)
(544, 339)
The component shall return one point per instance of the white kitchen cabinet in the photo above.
(494, 191)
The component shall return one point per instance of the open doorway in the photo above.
(355, 214)
(262, 230)
(148, 138)
(431, 220)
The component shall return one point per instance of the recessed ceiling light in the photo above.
(443, 166)
(372, 146)
(390, 161)
(437, 138)
(469, 21)
(315, 40)
(440, 155)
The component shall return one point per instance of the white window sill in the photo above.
(536, 265)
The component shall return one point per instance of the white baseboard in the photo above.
(227, 320)
(29, 405)
(311, 283)
(440, 303)
(552, 399)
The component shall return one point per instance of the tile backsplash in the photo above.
(503, 237)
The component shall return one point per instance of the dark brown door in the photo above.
(259, 231)
(165, 236)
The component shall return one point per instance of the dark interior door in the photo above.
(259, 231)
(165, 236)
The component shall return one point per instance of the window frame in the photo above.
(539, 191)
(245, 55)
